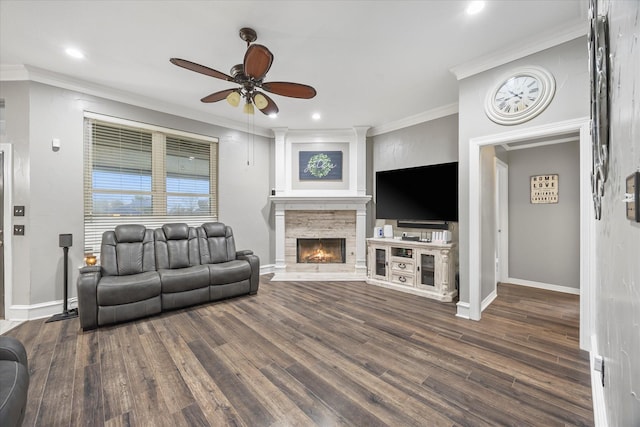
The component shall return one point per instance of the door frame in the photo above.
(587, 219)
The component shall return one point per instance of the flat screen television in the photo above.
(424, 193)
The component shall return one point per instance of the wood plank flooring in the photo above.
(317, 353)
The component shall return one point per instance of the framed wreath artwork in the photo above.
(320, 165)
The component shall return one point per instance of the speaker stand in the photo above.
(66, 313)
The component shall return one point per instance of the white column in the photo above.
(279, 220)
(361, 164)
(361, 246)
(280, 161)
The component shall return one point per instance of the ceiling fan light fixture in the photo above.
(260, 101)
(233, 99)
(248, 108)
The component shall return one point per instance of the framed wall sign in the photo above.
(544, 189)
(320, 165)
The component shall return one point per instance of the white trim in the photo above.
(489, 299)
(462, 310)
(551, 141)
(147, 126)
(267, 269)
(542, 285)
(540, 43)
(7, 149)
(426, 116)
(597, 390)
(40, 310)
(21, 72)
(587, 220)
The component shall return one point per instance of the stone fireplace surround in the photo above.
(326, 217)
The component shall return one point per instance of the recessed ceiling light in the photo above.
(74, 53)
(475, 7)
(316, 116)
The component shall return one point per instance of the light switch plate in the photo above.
(18, 211)
(18, 230)
(633, 197)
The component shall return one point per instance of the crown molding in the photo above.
(426, 116)
(27, 72)
(540, 43)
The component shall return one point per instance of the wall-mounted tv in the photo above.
(424, 193)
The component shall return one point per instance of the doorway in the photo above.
(587, 221)
(502, 221)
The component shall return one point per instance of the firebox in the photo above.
(321, 251)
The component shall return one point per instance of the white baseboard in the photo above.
(267, 269)
(489, 299)
(38, 311)
(597, 390)
(464, 310)
(540, 285)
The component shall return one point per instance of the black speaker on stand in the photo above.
(66, 241)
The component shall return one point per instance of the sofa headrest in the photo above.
(214, 229)
(129, 233)
(176, 231)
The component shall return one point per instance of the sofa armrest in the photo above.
(254, 262)
(87, 287)
(13, 350)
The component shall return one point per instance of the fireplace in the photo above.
(321, 251)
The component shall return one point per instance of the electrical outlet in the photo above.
(18, 230)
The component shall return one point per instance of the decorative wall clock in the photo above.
(599, 71)
(520, 95)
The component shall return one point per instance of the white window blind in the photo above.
(138, 175)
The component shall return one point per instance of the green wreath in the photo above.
(319, 165)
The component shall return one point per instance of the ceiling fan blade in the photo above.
(293, 90)
(270, 108)
(257, 61)
(200, 69)
(218, 96)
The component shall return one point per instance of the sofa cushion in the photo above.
(176, 231)
(176, 246)
(229, 272)
(13, 393)
(184, 279)
(114, 290)
(128, 233)
(14, 381)
(129, 249)
(216, 243)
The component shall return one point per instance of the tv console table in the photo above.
(426, 269)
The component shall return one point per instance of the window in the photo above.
(142, 174)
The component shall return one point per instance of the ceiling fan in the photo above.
(250, 76)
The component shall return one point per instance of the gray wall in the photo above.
(49, 183)
(427, 143)
(617, 305)
(567, 62)
(544, 239)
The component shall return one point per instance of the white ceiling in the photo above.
(372, 63)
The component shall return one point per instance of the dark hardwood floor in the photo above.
(317, 353)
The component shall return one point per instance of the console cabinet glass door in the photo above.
(380, 262)
(426, 269)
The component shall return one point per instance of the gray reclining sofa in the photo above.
(145, 272)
